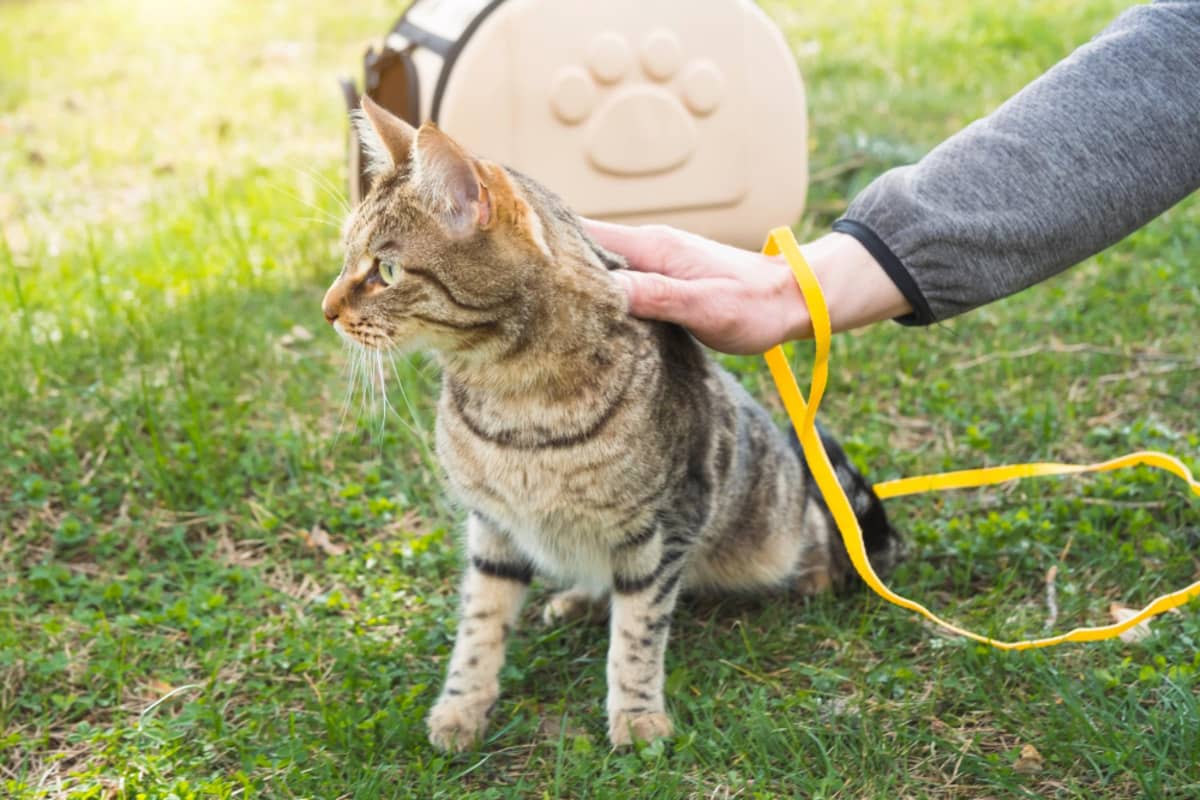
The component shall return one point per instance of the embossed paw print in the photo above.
(637, 125)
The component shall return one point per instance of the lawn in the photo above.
(225, 574)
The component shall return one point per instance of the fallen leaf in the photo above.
(298, 333)
(110, 788)
(301, 333)
(1030, 760)
(1135, 634)
(318, 539)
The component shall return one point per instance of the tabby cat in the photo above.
(607, 453)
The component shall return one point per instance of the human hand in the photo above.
(732, 300)
(742, 302)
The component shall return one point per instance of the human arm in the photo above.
(1090, 151)
(1096, 147)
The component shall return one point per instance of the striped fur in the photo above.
(606, 453)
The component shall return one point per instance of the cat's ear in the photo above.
(511, 206)
(386, 139)
(450, 181)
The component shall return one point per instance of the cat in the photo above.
(608, 453)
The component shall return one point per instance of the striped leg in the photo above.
(492, 593)
(645, 584)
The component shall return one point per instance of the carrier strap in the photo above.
(427, 39)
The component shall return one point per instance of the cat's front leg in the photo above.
(492, 593)
(646, 575)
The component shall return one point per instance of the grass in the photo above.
(211, 588)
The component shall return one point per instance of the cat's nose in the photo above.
(332, 303)
(329, 310)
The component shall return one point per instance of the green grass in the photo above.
(171, 625)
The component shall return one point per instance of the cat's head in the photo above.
(445, 251)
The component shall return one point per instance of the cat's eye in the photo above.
(388, 272)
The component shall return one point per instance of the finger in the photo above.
(655, 296)
(647, 248)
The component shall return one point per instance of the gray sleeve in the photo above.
(1095, 148)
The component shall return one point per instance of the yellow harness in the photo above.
(803, 415)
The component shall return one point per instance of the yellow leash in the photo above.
(803, 415)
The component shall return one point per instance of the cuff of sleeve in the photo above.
(921, 314)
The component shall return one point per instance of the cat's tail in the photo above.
(885, 546)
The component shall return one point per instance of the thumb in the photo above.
(656, 296)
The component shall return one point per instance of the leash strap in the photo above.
(803, 414)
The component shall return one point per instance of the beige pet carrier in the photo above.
(685, 112)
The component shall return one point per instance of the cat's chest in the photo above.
(557, 516)
(564, 506)
(549, 487)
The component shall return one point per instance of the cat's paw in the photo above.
(625, 728)
(573, 604)
(456, 724)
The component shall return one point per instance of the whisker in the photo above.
(336, 226)
(364, 371)
(414, 425)
(417, 428)
(331, 189)
(385, 406)
(369, 379)
(327, 215)
(412, 412)
(348, 375)
(368, 387)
